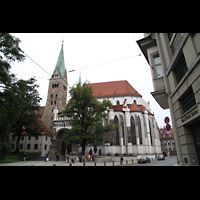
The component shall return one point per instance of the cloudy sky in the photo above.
(112, 57)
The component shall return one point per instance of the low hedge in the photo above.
(29, 155)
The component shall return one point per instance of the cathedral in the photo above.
(138, 131)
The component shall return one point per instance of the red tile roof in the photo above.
(133, 108)
(113, 89)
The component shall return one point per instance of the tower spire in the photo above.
(79, 81)
(60, 65)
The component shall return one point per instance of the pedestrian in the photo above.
(24, 157)
(83, 158)
(67, 158)
(57, 156)
(70, 159)
(45, 157)
(80, 158)
(121, 160)
(92, 157)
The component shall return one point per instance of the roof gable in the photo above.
(112, 89)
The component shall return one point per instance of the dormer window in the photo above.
(118, 103)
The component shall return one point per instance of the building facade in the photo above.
(138, 132)
(175, 68)
(40, 144)
(167, 142)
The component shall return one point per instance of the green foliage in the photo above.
(4, 149)
(29, 155)
(87, 114)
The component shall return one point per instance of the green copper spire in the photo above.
(79, 81)
(60, 65)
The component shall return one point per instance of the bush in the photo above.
(117, 154)
(124, 154)
(4, 149)
(29, 155)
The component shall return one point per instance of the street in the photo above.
(169, 161)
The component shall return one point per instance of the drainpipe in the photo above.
(168, 92)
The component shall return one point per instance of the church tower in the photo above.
(57, 92)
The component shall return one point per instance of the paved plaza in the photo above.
(106, 161)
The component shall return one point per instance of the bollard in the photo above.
(83, 163)
(126, 161)
(113, 163)
(104, 163)
(94, 163)
(132, 160)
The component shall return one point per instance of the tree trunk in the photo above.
(17, 144)
(83, 149)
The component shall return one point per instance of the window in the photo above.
(21, 146)
(52, 96)
(36, 138)
(170, 36)
(51, 102)
(46, 138)
(12, 146)
(36, 146)
(132, 138)
(28, 146)
(22, 138)
(29, 137)
(158, 66)
(163, 135)
(118, 103)
(54, 102)
(45, 147)
(13, 138)
(188, 100)
(181, 69)
(56, 96)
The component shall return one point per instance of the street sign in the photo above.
(168, 127)
(166, 120)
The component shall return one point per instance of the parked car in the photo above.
(161, 157)
(144, 160)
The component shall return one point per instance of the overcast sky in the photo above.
(87, 49)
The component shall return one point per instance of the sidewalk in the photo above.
(103, 161)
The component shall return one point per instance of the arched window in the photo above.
(116, 121)
(150, 132)
(139, 130)
(132, 139)
(118, 102)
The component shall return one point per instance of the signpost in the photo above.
(168, 126)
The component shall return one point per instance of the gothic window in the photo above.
(54, 102)
(56, 96)
(52, 96)
(118, 103)
(122, 123)
(116, 121)
(132, 139)
(150, 132)
(139, 130)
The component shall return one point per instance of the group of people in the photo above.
(82, 158)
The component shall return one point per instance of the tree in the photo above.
(87, 115)
(9, 52)
(28, 114)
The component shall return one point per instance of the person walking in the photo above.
(24, 157)
(121, 160)
(67, 160)
(92, 157)
(57, 156)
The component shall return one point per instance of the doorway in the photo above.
(63, 148)
(195, 127)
